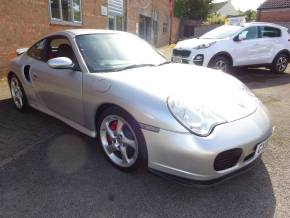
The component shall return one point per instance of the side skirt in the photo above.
(66, 121)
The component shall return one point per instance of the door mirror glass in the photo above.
(61, 63)
(242, 36)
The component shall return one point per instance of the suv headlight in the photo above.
(207, 45)
(197, 119)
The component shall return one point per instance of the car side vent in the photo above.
(27, 73)
(227, 159)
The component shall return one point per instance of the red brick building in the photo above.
(274, 11)
(23, 22)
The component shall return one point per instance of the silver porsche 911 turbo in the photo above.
(185, 121)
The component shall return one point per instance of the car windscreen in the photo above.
(114, 51)
(222, 32)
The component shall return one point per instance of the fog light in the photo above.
(198, 60)
(198, 57)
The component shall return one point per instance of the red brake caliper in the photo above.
(113, 126)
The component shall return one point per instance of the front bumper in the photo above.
(199, 57)
(192, 157)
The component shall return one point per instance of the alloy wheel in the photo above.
(282, 64)
(220, 65)
(16, 92)
(119, 141)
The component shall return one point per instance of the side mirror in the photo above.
(60, 63)
(242, 37)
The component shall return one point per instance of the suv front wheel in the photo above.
(280, 63)
(221, 63)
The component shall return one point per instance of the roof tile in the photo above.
(272, 4)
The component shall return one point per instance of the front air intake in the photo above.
(227, 159)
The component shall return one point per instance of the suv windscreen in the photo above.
(116, 51)
(222, 32)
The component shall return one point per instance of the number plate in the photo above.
(177, 59)
(261, 147)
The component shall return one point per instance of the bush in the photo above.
(215, 19)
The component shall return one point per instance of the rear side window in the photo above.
(270, 32)
(38, 50)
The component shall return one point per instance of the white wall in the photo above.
(228, 9)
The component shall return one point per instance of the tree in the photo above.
(251, 15)
(192, 9)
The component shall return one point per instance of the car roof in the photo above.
(76, 32)
(263, 24)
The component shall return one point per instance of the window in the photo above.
(60, 47)
(66, 10)
(115, 14)
(37, 50)
(115, 23)
(270, 32)
(250, 33)
(165, 24)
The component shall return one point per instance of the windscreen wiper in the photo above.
(133, 66)
(164, 63)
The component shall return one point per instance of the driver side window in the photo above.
(60, 47)
(250, 33)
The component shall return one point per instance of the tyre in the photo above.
(221, 63)
(121, 139)
(17, 93)
(280, 63)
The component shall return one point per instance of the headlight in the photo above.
(207, 45)
(197, 119)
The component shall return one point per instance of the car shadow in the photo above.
(65, 172)
(260, 78)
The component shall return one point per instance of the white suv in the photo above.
(251, 44)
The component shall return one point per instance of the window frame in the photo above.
(165, 24)
(64, 22)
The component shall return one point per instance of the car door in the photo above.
(271, 39)
(35, 55)
(249, 50)
(59, 89)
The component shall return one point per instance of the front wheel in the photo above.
(280, 63)
(121, 139)
(221, 63)
(18, 94)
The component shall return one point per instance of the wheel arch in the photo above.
(284, 51)
(9, 76)
(223, 53)
(105, 106)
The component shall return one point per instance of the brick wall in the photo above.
(23, 22)
(274, 15)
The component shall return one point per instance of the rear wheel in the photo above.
(17, 93)
(121, 139)
(221, 63)
(280, 63)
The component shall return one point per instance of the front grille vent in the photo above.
(182, 53)
(227, 159)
